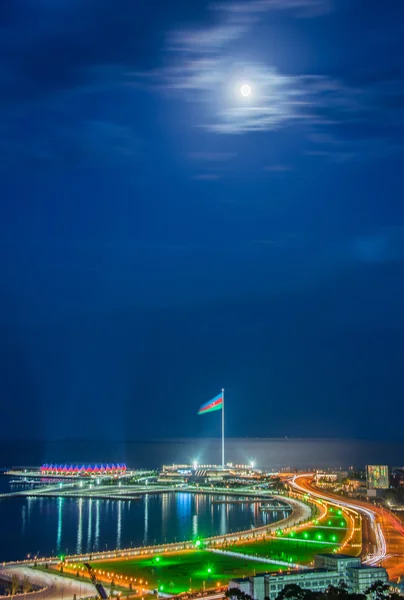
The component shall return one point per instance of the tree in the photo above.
(236, 593)
(378, 590)
(339, 591)
(26, 585)
(291, 592)
(15, 584)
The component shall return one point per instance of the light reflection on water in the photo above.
(80, 527)
(69, 525)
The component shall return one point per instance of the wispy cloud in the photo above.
(277, 168)
(341, 150)
(236, 19)
(206, 177)
(299, 8)
(212, 156)
(200, 69)
(86, 142)
(384, 245)
(205, 41)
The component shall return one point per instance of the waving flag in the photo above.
(215, 404)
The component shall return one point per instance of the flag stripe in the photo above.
(214, 404)
(215, 407)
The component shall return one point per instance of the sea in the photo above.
(53, 526)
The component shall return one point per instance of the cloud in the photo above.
(343, 120)
(55, 60)
(205, 41)
(276, 99)
(206, 177)
(299, 8)
(86, 142)
(342, 150)
(199, 69)
(385, 245)
(277, 168)
(235, 20)
(212, 156)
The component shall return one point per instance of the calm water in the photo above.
(267, 453)
(47, 526)
(50, 525)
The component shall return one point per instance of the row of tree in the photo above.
(17, 586)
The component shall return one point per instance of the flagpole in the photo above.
(222, 428)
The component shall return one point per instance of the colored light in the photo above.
(342, 523)
(334, 538)
(157, 558)
(340, 512)
(198, 543)
(305, 535)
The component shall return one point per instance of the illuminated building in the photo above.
(377, 477)
(83, 471)
(330, 569)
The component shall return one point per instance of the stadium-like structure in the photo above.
(84, 470)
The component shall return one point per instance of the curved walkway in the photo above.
(56, 587)
(260, 559)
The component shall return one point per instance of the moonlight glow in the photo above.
(245, 90)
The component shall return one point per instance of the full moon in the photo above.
(245, 90)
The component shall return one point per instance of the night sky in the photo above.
(163, 237)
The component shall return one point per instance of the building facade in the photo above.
(377, 477)
(330, 569)
(361, 578)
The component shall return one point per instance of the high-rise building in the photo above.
(377, 477)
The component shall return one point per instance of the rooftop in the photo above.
(336, 556)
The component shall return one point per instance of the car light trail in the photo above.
(371, 515)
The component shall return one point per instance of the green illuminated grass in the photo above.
(298, 547)
(178, 572)
(287, 549)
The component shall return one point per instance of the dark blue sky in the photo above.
(162, 236)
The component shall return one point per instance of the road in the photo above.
(383, 532)
(56, 587)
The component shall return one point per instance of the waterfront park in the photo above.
(312, 526)
(209, 564)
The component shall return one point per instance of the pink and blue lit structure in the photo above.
(84, 470)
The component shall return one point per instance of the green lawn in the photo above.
(286, 549)
(178, 572)
(299, 546)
